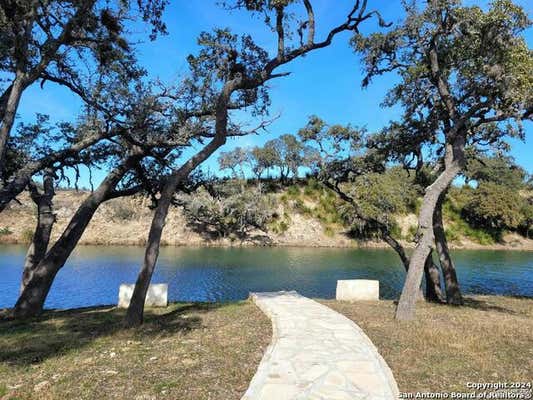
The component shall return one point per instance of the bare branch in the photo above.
(310, 22)
(281, 33)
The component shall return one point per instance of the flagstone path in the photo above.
(316, 354)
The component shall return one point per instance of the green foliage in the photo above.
(526, 225)
(262, 159)
(312, 187)
(465, 86)
(285, 153)
(452, 235)
(234, 160)
(494, 207)
(411, 232)
(380, 197)
(326, 211)
(280, 225)
(498, 169)
(228, 210)
(323, 204)
(5, 231)
(457, 227)
(395, 230)
(329, 231)
(293, 191)
(461, 229)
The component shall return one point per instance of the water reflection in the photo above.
(93, 274)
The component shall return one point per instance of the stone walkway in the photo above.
(316, 354)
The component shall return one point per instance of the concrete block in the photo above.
(357, 289)
(157, 295)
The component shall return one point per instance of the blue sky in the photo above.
(325, 83)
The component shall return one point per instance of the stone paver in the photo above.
(316, 354)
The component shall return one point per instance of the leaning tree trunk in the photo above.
(432, 275)
(45, 222)
(433, 289)
(9, 111)
(451, 284)
(31, 300)
(454, 161)
(398, 248)
(134, 315)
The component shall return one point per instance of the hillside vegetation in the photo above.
(302, 213)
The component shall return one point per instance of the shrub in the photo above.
(411, 232)
(494, 207)
(452, 235)
(312, 188)
(329, 231)
(279, 227)
(26, 236)
(293, 191)
(228, 210)
(5, 231)
(301, 208)
(122, 211)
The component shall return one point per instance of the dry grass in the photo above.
(199, 351)
(196, 351)
(488, 340)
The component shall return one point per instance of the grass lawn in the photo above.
(195, 351)
(199, 351)
(488, 340)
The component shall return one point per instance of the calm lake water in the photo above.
(93, 274)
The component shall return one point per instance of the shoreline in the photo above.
(227, 244)
(94, 307)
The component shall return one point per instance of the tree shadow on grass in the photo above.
(483, 305)
(480, 305)
(59, 332)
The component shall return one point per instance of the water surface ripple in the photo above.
(93, 273)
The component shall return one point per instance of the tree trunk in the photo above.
(398, 248)
(453, 291)
(3, 101)
(433, 290)
(432, 275)
(8, 118)
(454, 161)
(134, 315)
(43, 229)
(31, 300)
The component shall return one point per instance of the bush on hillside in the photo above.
(494, 207)
(228, 210)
